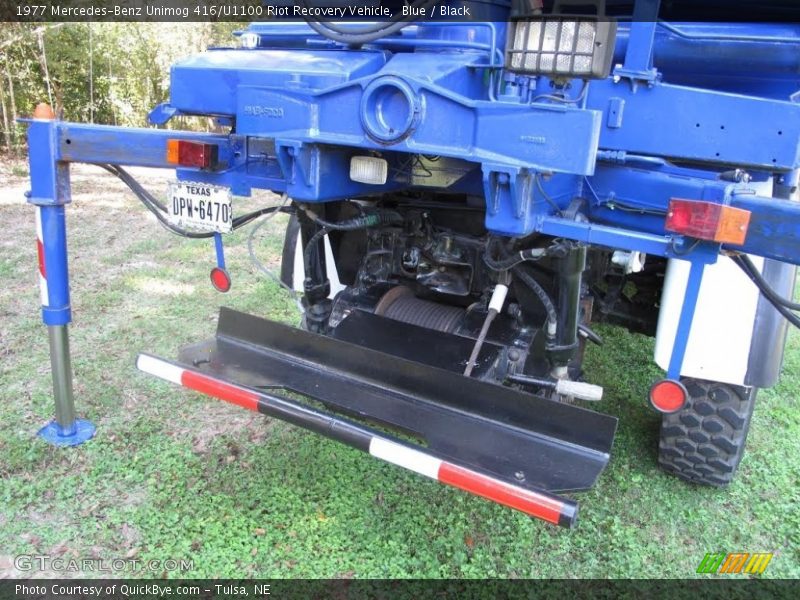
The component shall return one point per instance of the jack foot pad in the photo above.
(82, 431)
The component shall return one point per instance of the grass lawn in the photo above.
(172, 474)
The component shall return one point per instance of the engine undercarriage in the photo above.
(428, 261)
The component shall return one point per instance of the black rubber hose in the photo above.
(152, 204)
(511, 261)
(537, 289)
(158, 209)
(310, 247)
(763, 284)
(767, 291)
(363, 222)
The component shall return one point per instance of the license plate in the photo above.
(200, 207)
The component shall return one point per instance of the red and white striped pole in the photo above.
(539, 504)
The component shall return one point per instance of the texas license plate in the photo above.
(199, 207)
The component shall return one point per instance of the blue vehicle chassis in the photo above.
(625, 146)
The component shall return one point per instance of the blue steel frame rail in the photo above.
(52, 149)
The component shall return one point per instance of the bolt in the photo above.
(519, 475)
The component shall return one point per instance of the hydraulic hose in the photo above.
(762, 283)
(514, 259)
(310, 247)
(509, 261)
(361, 222)
(541, 294)
(782, 305)
(514, 263)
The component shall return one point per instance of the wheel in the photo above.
(704, 441)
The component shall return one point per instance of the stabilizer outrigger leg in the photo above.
(49, 193)
(513, 448)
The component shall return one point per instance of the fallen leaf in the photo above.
(31, 538)
(259, 531)
(58, 549)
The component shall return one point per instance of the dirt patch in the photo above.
(222, 420)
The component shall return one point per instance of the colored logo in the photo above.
(735, 562)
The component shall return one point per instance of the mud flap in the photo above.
(511, 447)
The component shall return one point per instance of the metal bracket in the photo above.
(162, 113)
(638, 65)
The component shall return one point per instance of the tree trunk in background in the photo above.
(13, 128)
(6, 128)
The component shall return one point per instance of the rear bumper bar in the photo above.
(539, 504)
(514, 448)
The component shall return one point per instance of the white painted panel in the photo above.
(299, 270)
(722, 328)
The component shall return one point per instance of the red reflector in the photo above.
(220, 279)
(668, 396)
(191, 154)
(708, 221)
(40, 254)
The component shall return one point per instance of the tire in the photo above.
(704, 441)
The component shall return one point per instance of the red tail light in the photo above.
(708, 221)
(191, 154)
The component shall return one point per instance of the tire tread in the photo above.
(704, 442)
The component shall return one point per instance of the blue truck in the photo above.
(466, 199)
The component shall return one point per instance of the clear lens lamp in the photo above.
(561, 47)
(368, 169)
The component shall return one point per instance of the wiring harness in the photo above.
(158, 209)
